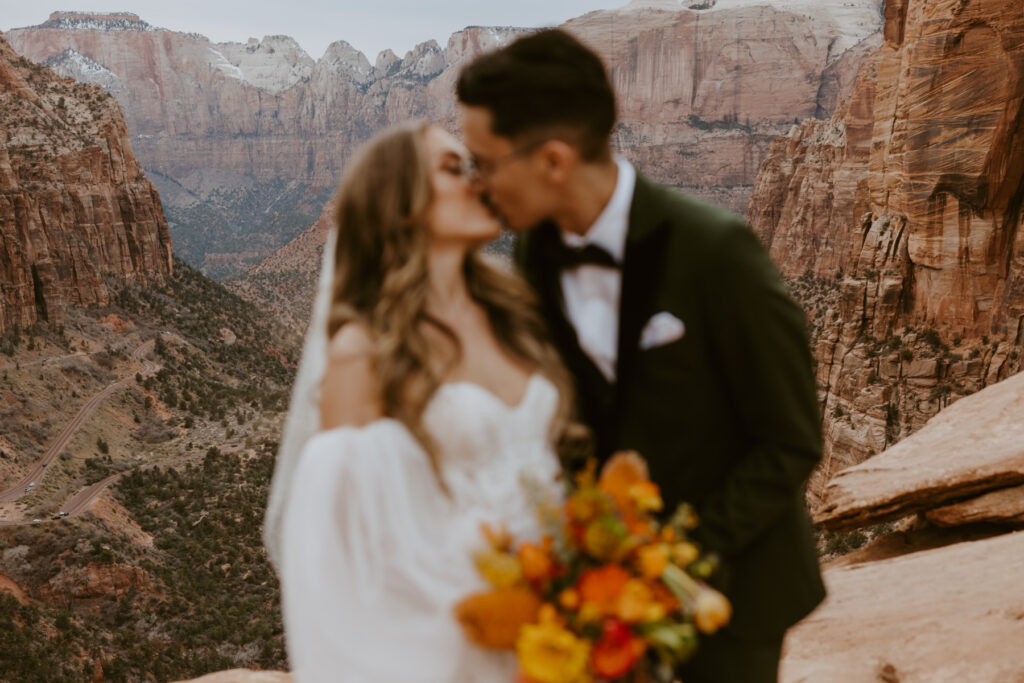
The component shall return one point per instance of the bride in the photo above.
(426, 391)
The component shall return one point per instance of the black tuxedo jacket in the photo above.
(726, 416)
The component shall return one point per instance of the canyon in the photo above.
(246, 141)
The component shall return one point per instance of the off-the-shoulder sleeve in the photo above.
(365, 594)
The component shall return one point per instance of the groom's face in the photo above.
(514, 179)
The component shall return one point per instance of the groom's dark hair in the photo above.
(545, 81)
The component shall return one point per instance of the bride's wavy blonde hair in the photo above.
(380, 280)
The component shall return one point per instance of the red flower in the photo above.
(614, 655)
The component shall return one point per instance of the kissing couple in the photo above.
(434, 377)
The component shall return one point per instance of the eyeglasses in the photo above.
(477, 168)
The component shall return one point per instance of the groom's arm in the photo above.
(763, 355)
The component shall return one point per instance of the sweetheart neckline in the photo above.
(530, 383)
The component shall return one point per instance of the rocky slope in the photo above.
(75, 207)
(164, 576)
(286, 280)
(910, 199)
(246, 141)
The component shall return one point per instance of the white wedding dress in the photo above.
(374, 556)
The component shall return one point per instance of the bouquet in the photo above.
(609, 593)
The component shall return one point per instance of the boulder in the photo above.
(974, 446)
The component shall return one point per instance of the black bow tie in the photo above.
(568, 257)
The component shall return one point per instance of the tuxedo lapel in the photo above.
(642, 267)
(594, 391)
(546, 276)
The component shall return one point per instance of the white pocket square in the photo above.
(663, 328)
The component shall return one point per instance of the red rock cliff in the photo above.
(74, 205)
(910, 198)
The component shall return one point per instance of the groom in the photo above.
(683, 340)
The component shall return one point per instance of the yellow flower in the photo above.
(645, 496)
(500, 569)
(684, 553)
(603, 538)
(685, 517)
(711, 611)
(548, 653)
(590, 613)
(569, 599)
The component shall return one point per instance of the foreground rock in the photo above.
(243, 676)
(1004, 506)
(976, 446)
(953, 614)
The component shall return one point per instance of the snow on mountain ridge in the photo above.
(97, 21)
(275, 63)
(73, 64)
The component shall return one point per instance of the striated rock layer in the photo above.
(226, 128)
(910, 199)
(74, 205)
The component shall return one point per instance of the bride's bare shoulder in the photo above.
(350, 392)
(350, 342)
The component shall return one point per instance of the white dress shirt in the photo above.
(592, 293)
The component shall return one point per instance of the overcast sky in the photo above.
(369, 25)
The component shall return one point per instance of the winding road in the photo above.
(38, 471)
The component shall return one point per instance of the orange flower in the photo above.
(494, 619)
(640, 529)
(637, 603)
(665, 597)
(652, 560)
(536, 561)
(622, 470)
(583, 506)
(602, 587)
(617, 650)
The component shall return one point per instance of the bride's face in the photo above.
(456, 213)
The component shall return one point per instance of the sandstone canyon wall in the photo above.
(906, 208)
(247, 141)
(75, 207)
